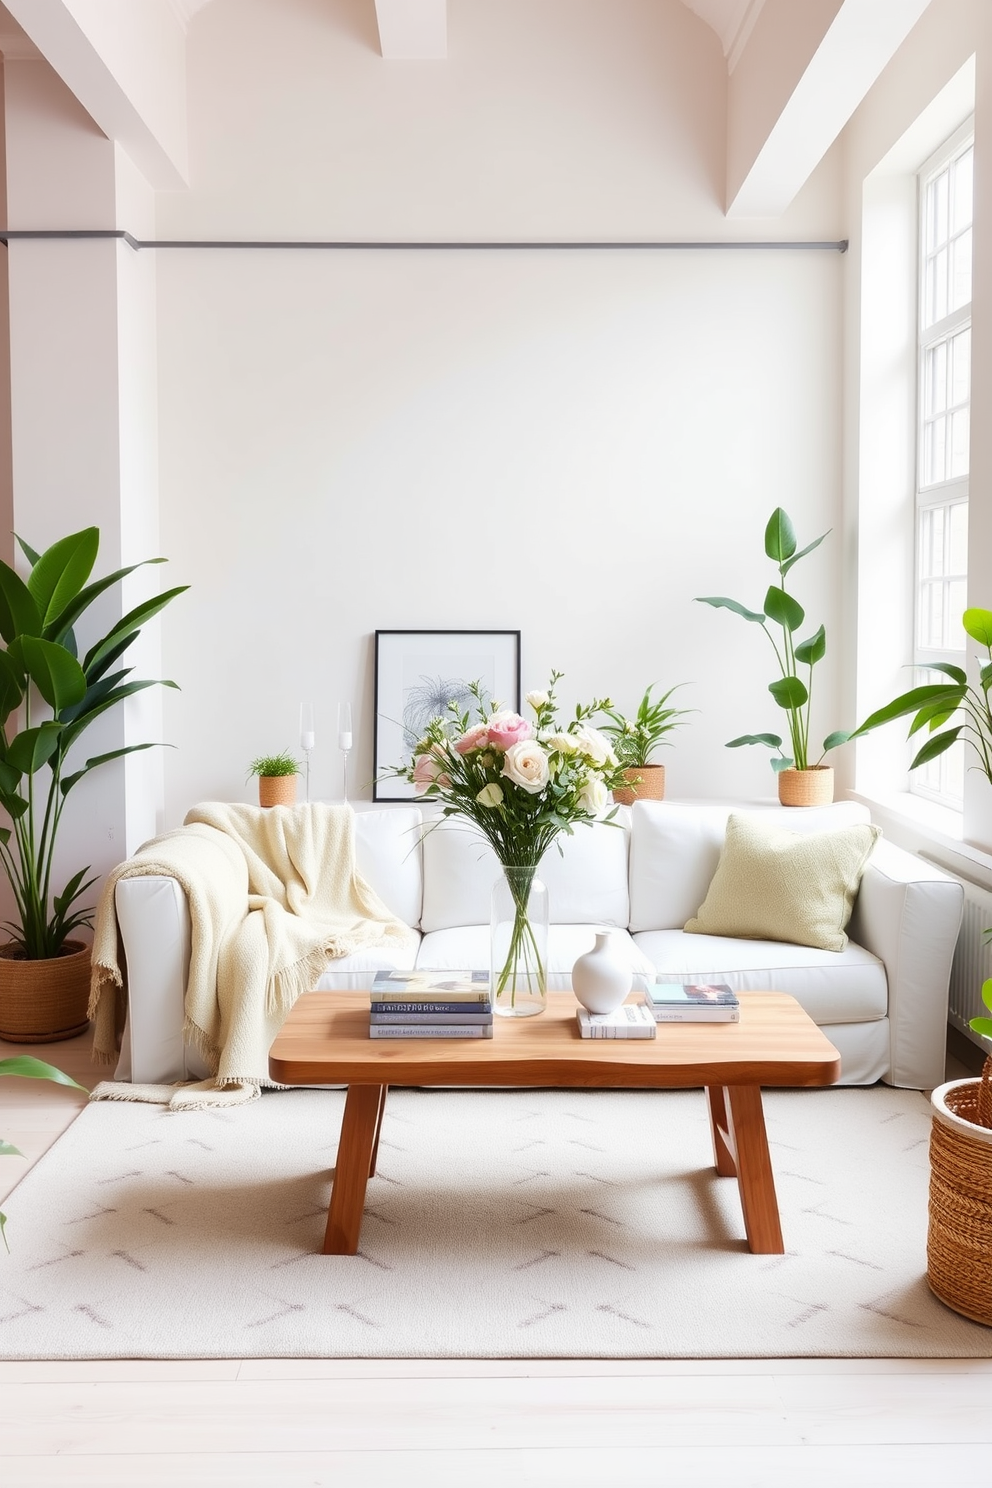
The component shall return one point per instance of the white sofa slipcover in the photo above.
(882, 1001)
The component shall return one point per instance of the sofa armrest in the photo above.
(908, 914)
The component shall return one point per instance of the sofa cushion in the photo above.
(388, 857)
(586, 881)
(772, 884)
(467, 948)
(846, 986)
(675, 848)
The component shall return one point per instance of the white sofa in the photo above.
(882, 1001)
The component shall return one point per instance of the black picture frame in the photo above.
(408, 690)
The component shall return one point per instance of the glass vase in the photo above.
(518, 944)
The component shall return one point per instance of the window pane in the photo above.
(940, 216)
(962, 176)
(937, 378)
(961, 367)
(960, 441)
(960, 288)
(934, 451)
(957, 603)
(939, 285)
(958, 542)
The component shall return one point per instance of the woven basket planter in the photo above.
(647, 783)
(277, 790)
(959, 1238)
(42, 1002)
(812, 787)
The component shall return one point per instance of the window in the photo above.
(944, 433)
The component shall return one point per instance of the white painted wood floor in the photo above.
(360, 1424)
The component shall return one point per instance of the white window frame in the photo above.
(942, 779)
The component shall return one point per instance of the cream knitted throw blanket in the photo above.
(273, 893)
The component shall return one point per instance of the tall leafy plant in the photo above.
(793, 693)
(49, 697)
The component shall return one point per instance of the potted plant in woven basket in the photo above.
(49, 696)
(635, 740)
(803, 778)
(959, 1236)
(276, 778)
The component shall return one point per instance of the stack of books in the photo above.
(431, 1004)
(627, 1022)
(692, 1002)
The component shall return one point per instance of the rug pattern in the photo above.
(500, 1224)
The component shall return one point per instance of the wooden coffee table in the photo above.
(325, 1040)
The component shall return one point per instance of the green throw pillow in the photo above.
(771, 884)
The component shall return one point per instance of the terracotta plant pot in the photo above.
(277, 790)
(647, 783)
(42, 1002)
(812, 787)
(959, 1238)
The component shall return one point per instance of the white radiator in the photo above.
(972, 963)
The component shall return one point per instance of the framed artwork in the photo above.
(417, 674)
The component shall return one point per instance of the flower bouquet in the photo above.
(522, 784)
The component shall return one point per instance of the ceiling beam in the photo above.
(801, 76)
(412, 30)
(126, 66)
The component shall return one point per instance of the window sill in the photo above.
(935, 832)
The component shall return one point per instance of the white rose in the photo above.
(526, 764)
(559, 743)
(537, 700)
(490, 795)
(594, 797)
(594, 745)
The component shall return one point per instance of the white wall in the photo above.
(575, 444)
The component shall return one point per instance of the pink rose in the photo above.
(477, 737)
(426, 770)
(507, 729)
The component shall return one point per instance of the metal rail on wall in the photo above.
(9, 235)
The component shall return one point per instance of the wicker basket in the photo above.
(277, 790)
(42, 1002)
(959, 1239)
(812, 787)
(647, 783)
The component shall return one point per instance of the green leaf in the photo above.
(81, 722)
(730, 604)
(783, 609)
(19, 614)
(784, 763)
(69, 781)
(789, 692)
(60, 573)
(978, 624)
(780, 537)
(982, 1026)
(811, 651)
(130, 624)
(13, 684)
(911, 702)
(835, 740)
(772, 740)
(6, 1150)
(985, 677)
(36, 1069)
(802, 554)
(935, 746)
(15, 807)
(63, 622)
(932, 717)
(57, 675)
(956, 673)
(34, 747)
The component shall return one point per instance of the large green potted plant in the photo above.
(635, 741)
(49, 697)
(803, 778)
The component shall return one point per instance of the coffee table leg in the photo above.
(749, 1144)
(723, 1156)
(359, 1134)
(378, 1129)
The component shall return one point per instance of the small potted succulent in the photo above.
(635, 740)
(276, 778)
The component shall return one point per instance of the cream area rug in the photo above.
(500, 1224)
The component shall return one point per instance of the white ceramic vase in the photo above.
(601, 977)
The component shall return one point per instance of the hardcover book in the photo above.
(429, 1009)
(693, 1002)
(430, 986)
(630, 1021)
(464, 1015)
(429, 1030)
